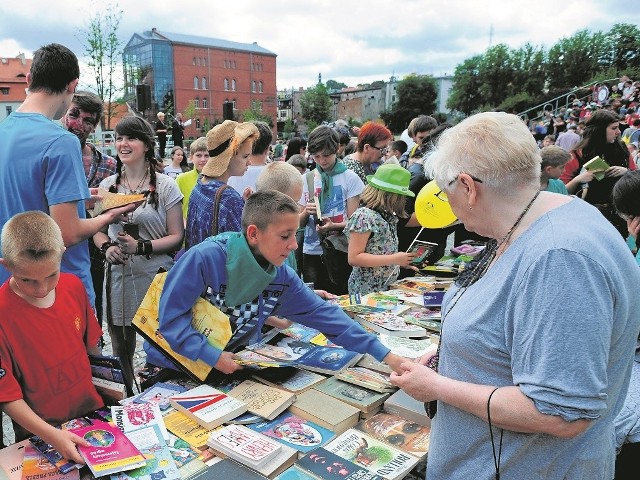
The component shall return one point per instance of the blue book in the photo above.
(327, 465)
(293, 431)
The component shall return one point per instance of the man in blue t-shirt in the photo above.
(41, 163)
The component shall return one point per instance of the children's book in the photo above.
(54, 457)
(422, 251)
(294, 431)
(597, 166)
(362, 398)
(159, 394)
(208, 406)
(405, 347)
(186, 429)
(109, 451)
(371, 379)
(297, 382)
(326, 465)
(36, 467)
(300, 332)
(206, 319)
(374, 455)
(244, 445)
(263, 400)
(11, 458)
(133, 416)
(391, 324)
(181, 451)
(394, 430)
(159, 461)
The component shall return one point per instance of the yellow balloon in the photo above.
(432, 211)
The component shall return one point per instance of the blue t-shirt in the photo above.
(41, 165)
(556, 186)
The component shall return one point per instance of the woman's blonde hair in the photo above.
(377, 199)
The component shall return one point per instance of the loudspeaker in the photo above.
(227, 111)
(143, 97)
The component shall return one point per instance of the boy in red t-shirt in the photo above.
(48, 326)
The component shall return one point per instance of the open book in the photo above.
(597, 166)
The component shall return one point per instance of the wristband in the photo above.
(106, 245)
(145, 248)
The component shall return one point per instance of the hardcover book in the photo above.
(326, 465)
(296, 432)
(391, 324)
(325, 410)
(399, 432)
(159, 394)
(208, 406)
(298, 382)
(359, 397)
(244, 445)
(108, 389)
(36, 467)
(160, 463)
(106, 367)
(376, 381)
(109, 451)
(402, 404)
(206, 319)
(133, 416)
(11, 458)
(372, 454)
(263, 400)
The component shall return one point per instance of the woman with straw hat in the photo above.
(372, 230)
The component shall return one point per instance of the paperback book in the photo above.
(208, 406)
(371, 363)
(244, 445)
(359, 397)
(597, 166)
(295, 473)
(263, 400)
(391, 324)
(36, 467)
(109, 451)
(159, 394)
(109, 390)
(133, 416)
(417, 284)
(298, 382)
(181, 451)
(422, 250)
(403, 405)
(399, 432)
(326, 465)
(11, 458)
(376, 381)
(406, 347)
(186, 429)
(294, 431)
(372, 454)
(325, 410)
(226, 469)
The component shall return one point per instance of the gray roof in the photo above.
(205, 41)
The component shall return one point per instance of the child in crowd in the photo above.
(626, 200)
(299, 162)
(178, 163)
(396, 149)
(48, 326)
(243, 274)
(372, 231)
(199, 156)
(553, 161)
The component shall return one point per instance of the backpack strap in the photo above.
(216, 209)
(309, 177)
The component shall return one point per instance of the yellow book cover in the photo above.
(597, 166)
(207, 319)
(188, 430)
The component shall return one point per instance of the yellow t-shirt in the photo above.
(186, 181)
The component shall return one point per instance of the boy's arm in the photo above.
(63, 441)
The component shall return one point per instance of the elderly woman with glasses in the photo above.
(538, 334)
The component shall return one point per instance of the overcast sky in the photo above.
(348, 41)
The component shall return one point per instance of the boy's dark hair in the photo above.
(323, 139)
(423, 123)
(89, 102)
(553, 156)
(265, 207)
(53, 68)
(626, 194)
(261, 145)
(399, 145)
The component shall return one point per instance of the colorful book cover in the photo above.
(374, 455)
(327, 465)
(376, 381)
(391, 324)
(243, 444)
(300, 332)
(181, 451)
(159, 461)
(37, 467)
(11, 458)
(132, 416)
(399, 432)
(159, 394)
(295, 473)
(53, 456)
(110, 450)
(301, 434)
(187, 429)
(207, 405)
(406, 347)
(106, 367)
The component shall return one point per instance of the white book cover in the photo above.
(244, 445)
(208, 406)
(133, 416)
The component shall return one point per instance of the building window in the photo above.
(4, 90)
(226, 84)
(233, 64)
(233, 84)
(194, 61)
(204, 103)
(260, 87)
(195, 82)
(253, 86)
(234, 103)
(226, 64)
(203, 83)
(9, 109)
(196, 102)
(197, 123)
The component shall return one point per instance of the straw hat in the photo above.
(391, 178)
(112, 200)
(222, 141)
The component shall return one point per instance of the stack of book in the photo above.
(208, 406)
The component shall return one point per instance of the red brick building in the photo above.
(13, 82)
(206, 72)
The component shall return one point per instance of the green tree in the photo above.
(495, 74)
(255, 114)
(189, 111)
(334, 85)
(622, 48)
(416, 96)
(288, 128)
(315, 104)
(572, 61)
(104, 51)
(465, 92)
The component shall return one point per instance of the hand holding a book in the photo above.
(65, 443)
(404, 260)
(227, 363)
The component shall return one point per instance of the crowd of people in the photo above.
(538, 334)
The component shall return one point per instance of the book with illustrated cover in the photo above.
(254, 360)
(208, 406)
(406, 296)
(422, 251)
(294, 431)
(325, 410)
(417, 284)
(159, 394)
(244, 445)
(424, 313)
(263, 400)
(181, 451)
(391, 324)
(326, 465)
(54, 457)
(371, 363)
(11, 458)
(36, 467)
(295, 473)
(159, 461)
(403, 405)
(188, 430)
(433, 326)
(132, 416)
(399, 432)
(406, 347)
(371, 379)
(374, 455)
(297, 382)
(109, 451)
(597, 166)
(206, 319)
(300, 332)
(359, 397)
(106, 367)
(433, 298)
(306, 355)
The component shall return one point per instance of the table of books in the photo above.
(302, 408)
